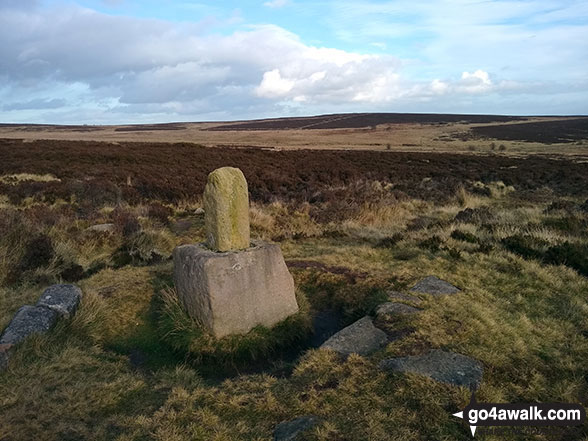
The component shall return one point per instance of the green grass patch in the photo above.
(187, 336)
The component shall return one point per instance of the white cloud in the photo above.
(476, 82)
(526, 40)
(439, 87)
(273, 85)
(276, 3)
(73, 63)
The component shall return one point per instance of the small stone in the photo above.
(226, 210)
(28, 320)
(435, 286)
(199, 211)
(400, 296)
(362, 338)
(446, 367)
(102, 228)
(289, 430)
(63, 299)
(392, 308)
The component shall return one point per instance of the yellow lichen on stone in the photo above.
(226, 210)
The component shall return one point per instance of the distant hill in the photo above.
(359, 120)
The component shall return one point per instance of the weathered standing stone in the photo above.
(362, 338)
(63, 299)
(28, 320)
(232, 292)
(226, 210)
(434, 286)
(443, 366)
(289, 430)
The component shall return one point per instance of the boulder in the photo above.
(362, 338)
(27, 321)
(63, 299)
(392, 308)
(232, 292)
(289, 430)
(226, 210)
(434, 286)
(446, 367)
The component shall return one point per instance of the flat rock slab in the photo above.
(232, 292)
(400, 296)
(63, 299)
(362, 338)
(392, 308)
(446, 367)
(289, 430)
(434, 286)
(27, 321)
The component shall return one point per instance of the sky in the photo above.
(127, 61)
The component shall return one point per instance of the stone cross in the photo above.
(226, 210)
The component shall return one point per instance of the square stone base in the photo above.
(232, 292)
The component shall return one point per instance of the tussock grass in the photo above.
(185, 335)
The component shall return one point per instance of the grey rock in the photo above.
(446, 367)
(400, 296)
(435, 286)
(289, 430)
(63, 299)
(392, 308)
(28, 320)
(362, 338)
(232, 292)
(102, 228)
(199, 211)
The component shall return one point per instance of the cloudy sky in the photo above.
(122, 61)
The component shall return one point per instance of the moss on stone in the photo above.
(226, 207)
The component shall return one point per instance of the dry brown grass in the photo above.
(110, 373)
(385, 137)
